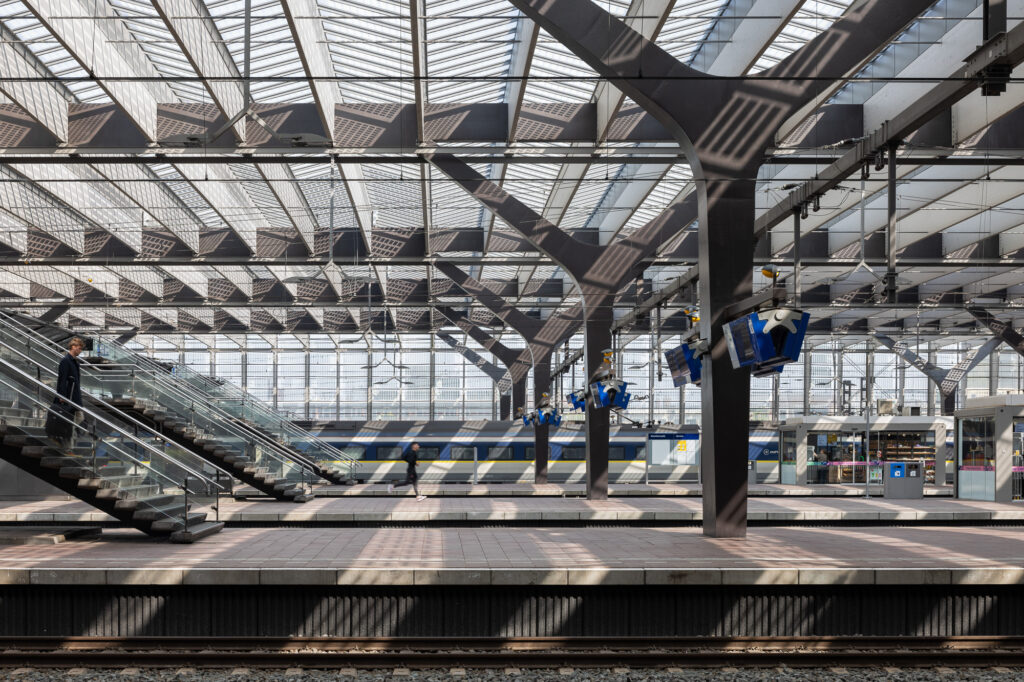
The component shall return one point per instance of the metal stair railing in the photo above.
(245, 407)
(162, 382)
(115, 380)
(146, 466)
(124, 422)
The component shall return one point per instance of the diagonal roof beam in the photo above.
(1007, 48)
(1003, 330)
(498, 375)
(200, 42)
(307, 29)
(44, 100)
(418, 21)
(106, 50)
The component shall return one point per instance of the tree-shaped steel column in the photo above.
(516, 369)
(541, 337)
(724, 127)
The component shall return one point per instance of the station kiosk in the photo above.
(989, 448)
(819, 449)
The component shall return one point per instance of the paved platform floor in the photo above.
(533, 556)
(363, 509)
(630, 489)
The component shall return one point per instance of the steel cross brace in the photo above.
(542, 338)
(498, 375)
(946, 380)
(725, 128)
(516, 371)
(1004, 330)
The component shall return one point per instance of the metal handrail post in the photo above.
(185, 488)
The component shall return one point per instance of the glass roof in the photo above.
(198, 222)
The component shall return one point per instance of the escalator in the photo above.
(172, 416)
(133, 478)
(250, 417)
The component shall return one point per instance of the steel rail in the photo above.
(529, 652)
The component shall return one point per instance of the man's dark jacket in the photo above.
(69, 379)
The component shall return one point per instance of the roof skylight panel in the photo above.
(675, 181)
(273, 54)
(452, 207)
(370, 43)
(599, 179)
(18, 19)
(396, 198)
(141, 20)
(531, 183)
(188, 195)
(558, 75)
(313, 182)
(260, 194)
(468, 40)
(687, 25)
(814, 17)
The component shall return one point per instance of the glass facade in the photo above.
(411, 376)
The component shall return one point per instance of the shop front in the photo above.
(831, 450)
(990, 449)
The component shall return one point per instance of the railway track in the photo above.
(414, 653)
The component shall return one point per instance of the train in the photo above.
(503, 452)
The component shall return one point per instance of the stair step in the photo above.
(38, 451)
(173, 524)
(197, 532)
(151, 501)
(133, 491)
(172, 510)
(58, 461)
(80, 472)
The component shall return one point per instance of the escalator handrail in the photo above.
(276, 451)
(100, 401)
(99, 419)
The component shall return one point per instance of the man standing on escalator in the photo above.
(69, 391)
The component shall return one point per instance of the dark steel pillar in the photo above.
(597, 337)
(726, 263)
(541, 432)
(993, 18)
(519, 395)
(890, 250)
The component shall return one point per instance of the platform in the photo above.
(532, 509)
(538, 556)
(614, 490)
(540, 581)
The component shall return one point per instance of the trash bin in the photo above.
(903, 480)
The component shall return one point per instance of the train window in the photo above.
(531, 453)
(389, 452)
(499, 452)
(616, 452)
(429, 453)
(463, 453)
(354, 451)
(573, 452)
